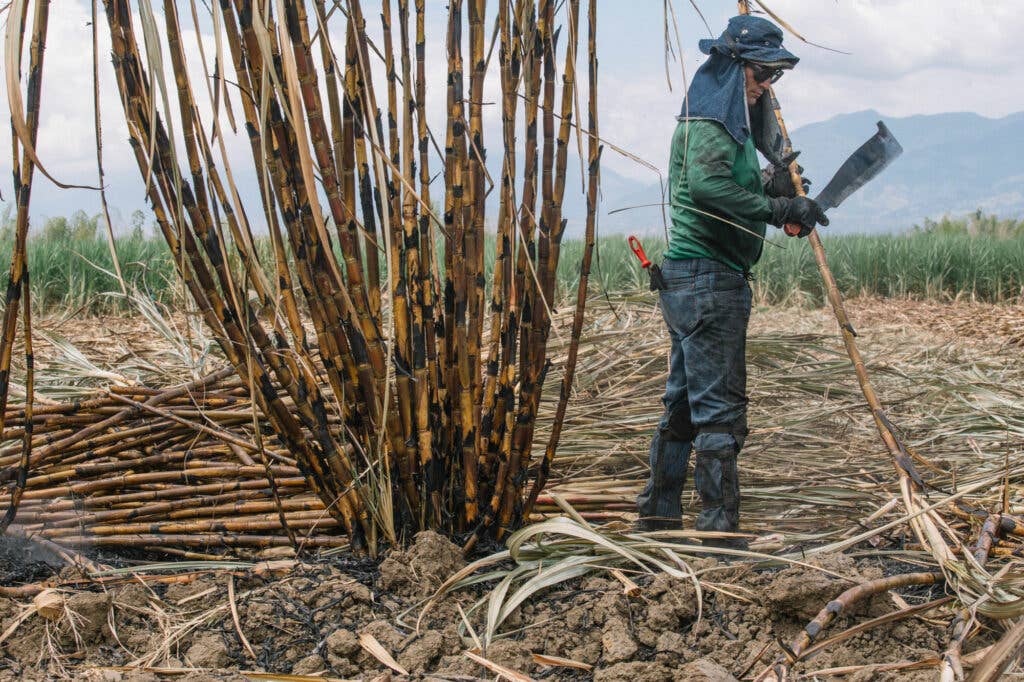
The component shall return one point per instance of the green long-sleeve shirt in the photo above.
(719, 177)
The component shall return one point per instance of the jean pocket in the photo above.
(678, 282)
(679, 307)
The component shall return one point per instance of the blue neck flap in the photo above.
(718, 93)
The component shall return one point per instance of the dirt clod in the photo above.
(637, 671)
(801, 593)
(510, 654)
(616, 642)
(344, 643)
(385, 633)
(422, 653)
(704, 670)
(670, 643)
(208, 651)
(88, 619)
(310, 665)
(420, 569)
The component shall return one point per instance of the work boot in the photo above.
(660, 504)
(717, 480)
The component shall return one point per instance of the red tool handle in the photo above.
(634, 244)
(792, 229)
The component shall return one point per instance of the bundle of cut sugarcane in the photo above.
(177, 469)
(409, 415)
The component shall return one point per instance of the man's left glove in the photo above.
(777, 180)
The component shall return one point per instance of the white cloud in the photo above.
(892, 38)
(906, 58)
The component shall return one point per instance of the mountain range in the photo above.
(952, 163)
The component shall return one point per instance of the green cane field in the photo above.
(978, 257)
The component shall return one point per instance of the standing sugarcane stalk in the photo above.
(429, 408)
(499, 456)
(593, 180)
(476, 194)
(549, 234)
(18, 279)
(492, 408)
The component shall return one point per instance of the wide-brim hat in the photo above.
(751, 39)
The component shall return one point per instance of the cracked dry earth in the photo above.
(308, 617)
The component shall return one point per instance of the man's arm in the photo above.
(710, 152)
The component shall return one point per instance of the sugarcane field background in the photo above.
(369, 402)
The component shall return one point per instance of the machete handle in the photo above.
(791, 229)
(634, 244)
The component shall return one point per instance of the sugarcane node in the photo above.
(834, 607)
(791, 656)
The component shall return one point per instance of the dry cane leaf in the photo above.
(768, 544)
(976, 657)
(276, 553)
(21, 617)
(507, 673)
(377, 650)
(629, 588)
(234, 617)
(276, 568)
(49, 604)
(559, 662)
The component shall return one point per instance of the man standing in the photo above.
(720, 202)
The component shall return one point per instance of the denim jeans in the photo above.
(706, 307)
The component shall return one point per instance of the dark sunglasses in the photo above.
(764, 73)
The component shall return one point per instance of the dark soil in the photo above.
(22, 561)
(307, 618)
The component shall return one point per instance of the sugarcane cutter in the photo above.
(870, 159)
(653, 270)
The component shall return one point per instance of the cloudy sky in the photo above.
(905, 57)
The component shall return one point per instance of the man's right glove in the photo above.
(802, 211)
(777, 180)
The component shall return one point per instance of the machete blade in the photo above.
(864, 164)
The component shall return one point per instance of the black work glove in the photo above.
(802, 211)
(777, 180)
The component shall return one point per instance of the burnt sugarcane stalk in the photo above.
(475, 196)
(593, 175)
(540, 296)
(493, 398)
(963, 624)
(206, 540)
(781, 668)
(431, 418)
(18, 281)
